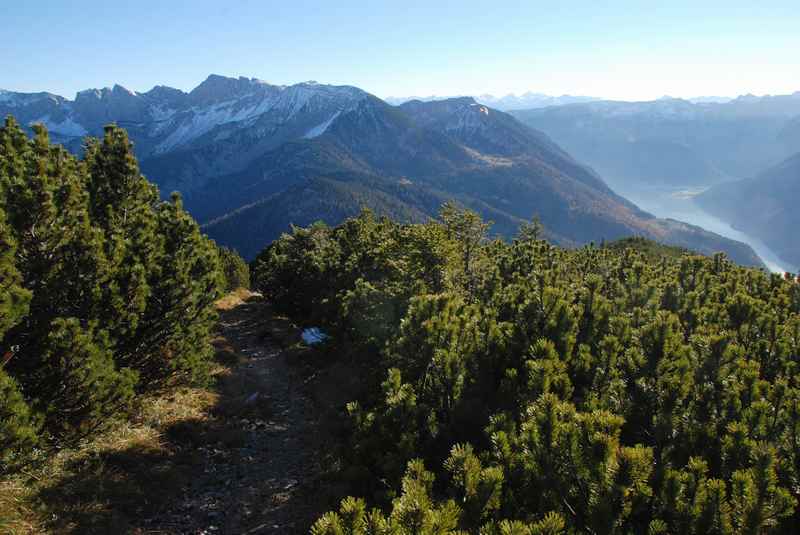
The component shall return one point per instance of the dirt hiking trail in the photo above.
(254, 477)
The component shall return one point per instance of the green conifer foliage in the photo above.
(105, 289)
(628, 388)
(19, 428)
(122, 204)
(235, 270)
(14, 299)
(84, 388)
(180, 314)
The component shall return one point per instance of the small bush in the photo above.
(84, 387)
(18, 426)
(235, 270)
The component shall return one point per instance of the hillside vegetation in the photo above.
(520, 388)
(106, 291)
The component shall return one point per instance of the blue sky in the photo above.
(631, 50)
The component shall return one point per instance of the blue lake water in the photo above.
(679, 204)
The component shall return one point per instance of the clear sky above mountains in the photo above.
(625, 50)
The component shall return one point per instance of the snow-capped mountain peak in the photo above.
(171, 118)
(245, 101)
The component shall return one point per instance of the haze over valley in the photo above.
(652, 152)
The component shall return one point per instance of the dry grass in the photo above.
(234, 299)
(102, 484)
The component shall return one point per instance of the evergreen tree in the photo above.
(236, 272)
(105, 290)
(84, 389)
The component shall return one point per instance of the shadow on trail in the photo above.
(248, 465)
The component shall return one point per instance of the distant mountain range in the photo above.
(708, 100)
(531, 100)
(672, 141)
(252, 158)
(509, 102)
(765, 206)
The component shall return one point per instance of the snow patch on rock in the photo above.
(322, 127)
(286, 102)
(205, 120)
(160, 113)
(66, 127)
